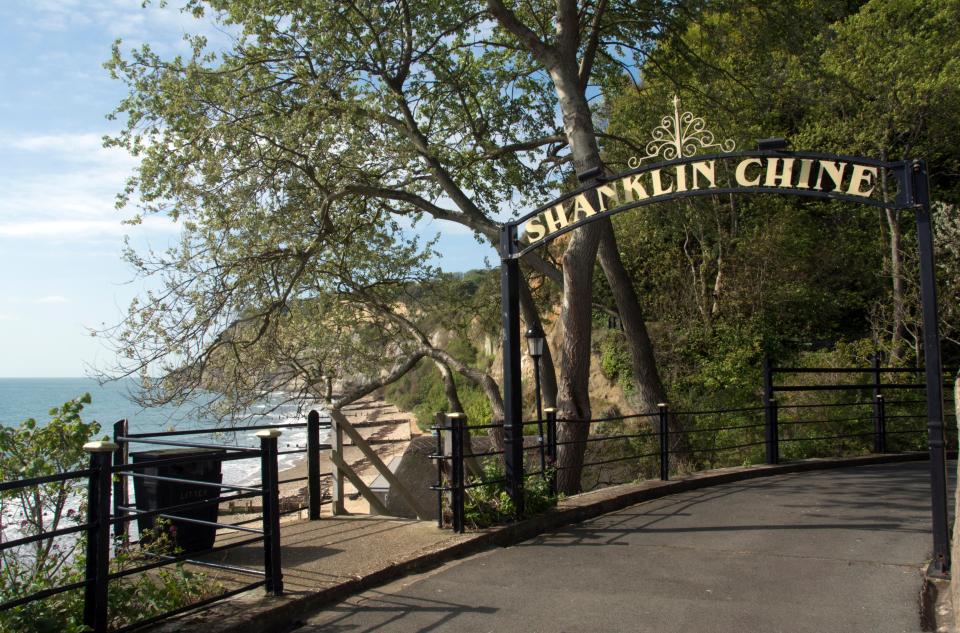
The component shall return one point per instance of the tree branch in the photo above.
(590, 51)
(369, 387)
(543, 53)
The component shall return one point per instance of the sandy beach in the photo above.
(389, 431)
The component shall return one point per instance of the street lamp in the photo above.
(535, 341)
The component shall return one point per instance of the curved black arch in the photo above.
(898, 172)
(911, 179)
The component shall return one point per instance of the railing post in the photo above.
(771, 432)
(456, 422)
(881, 413)
(95, 613)
(314, 493)
(271, 510)
(775, 430)
(878, 441)
(933, 373)
(664, 442)
(552, 447)
(439, 458)
(121, 492)
(336, 450)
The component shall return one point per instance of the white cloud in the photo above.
(82, 230)
(70, 145)
(51, 299)
(63, 186)
(162, 26)
(8, 317)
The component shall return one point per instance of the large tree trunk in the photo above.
(573, 393)
(559, 58)
(573, 385)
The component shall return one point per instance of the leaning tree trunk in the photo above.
(650, 391)
(548, 374)
(449, 387)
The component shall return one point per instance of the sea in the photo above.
(22, 398)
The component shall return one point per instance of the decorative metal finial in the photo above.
(680, 136)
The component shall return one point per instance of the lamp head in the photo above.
(535, 341)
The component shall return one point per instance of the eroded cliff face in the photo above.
(606, 395)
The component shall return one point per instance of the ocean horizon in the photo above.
(22, 398)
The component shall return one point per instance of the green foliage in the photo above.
(421, 390)
(141, 596)
(615, 360)
(35, 450)
(723, 280)
(489, 504)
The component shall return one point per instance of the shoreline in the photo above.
(398, 427)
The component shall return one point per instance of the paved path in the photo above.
(837, 550)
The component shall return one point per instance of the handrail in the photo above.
(43, 536)
(853, 422)
(211, 431)
(226, 447)
(45, 479)
(845, 370)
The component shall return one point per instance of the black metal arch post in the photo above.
(913, 192)
(513, 413)
(940, 565)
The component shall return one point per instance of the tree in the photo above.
(899, 100)
(729, 277)
(782, 271)
(328, 121)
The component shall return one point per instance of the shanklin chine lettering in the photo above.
(842, 177)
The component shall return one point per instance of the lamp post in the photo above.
(535, 340)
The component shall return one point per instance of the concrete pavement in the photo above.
(838, 550)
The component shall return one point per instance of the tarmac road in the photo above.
(822, 551)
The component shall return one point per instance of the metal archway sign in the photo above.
(814, 175)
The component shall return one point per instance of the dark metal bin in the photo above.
(153, 494)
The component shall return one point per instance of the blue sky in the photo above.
(60, 234)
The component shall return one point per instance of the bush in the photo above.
(489, 504)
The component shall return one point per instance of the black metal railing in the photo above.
(311, 449)
(871, 417)
(99, 520)
(109, 508)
